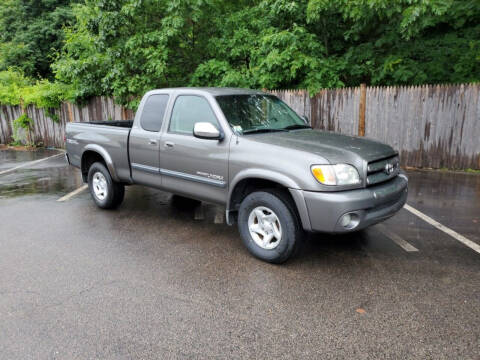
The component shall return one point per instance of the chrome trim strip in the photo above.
(150, 169)
(196, 178)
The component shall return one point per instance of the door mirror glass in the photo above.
(206, 130)
(305, 118)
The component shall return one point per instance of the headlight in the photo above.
(339, 174)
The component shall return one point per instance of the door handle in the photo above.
(169, 144)
(152, 142)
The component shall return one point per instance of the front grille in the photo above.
(382, 170)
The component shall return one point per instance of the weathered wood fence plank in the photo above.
(435, 126)
(431, 125)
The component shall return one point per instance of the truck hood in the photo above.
(335, 148)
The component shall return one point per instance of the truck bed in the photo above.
(110, 136)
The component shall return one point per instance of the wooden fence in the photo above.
(435, 126)
(48, 132)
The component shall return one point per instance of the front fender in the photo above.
(279, 178)
(264, 174)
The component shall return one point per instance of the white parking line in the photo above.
(396, 239)
(443, 228)
(73, 193)
(30, 163)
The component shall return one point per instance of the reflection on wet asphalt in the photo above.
(451, 198)
(50, 177)
(12, 158)
(148, 281)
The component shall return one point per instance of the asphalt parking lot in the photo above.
(154, 280)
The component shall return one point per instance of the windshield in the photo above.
(258, 113)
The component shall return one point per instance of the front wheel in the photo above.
(106, 193)
(269, 226)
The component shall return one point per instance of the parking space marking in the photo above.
(443, 228)
(73, 193)
(30, 163)
(396, 239)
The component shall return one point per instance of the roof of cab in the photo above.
(215, 91)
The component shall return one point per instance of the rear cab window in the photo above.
(153, 112)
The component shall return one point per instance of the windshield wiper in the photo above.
(257, 131)
(297, 126)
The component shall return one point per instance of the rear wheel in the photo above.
(106, 193)
(269, 226)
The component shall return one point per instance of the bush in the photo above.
(16, 89)
(12, 84)
(26, 124)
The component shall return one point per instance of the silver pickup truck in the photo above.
(248, 151)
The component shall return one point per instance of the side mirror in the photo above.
(206, 130)
(305, 119)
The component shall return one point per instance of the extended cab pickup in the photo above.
(248, 151)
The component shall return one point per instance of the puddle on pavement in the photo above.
(12, 158)
(39, 181)
(451, 198)
(50, 177)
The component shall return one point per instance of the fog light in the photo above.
(345, 220)
(350, 220)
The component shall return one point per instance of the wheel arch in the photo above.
(93, 153)
(248, 181)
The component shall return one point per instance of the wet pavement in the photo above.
(452, 198)
(147, 281)
(51, 177)
(13, 158)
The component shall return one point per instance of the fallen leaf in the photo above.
(360, 311)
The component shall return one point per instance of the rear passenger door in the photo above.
(144, 141)
(191, 166)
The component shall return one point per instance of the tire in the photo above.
(280, 248)
(105, 192)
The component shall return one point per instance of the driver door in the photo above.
(191, 166)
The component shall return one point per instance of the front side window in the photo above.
(188, 110)
(258, 113)
(153, 112)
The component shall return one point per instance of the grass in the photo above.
(471, 171)
(18, 147)
(444, 169)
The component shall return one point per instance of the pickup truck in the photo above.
(248, 151)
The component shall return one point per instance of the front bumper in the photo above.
(369, 205)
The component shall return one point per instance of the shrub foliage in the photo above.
(126, 47)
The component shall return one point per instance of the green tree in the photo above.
(126, 47)
(392, 42)
(31, 33)
(269, 45)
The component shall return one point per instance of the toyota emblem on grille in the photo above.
(389, 168)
